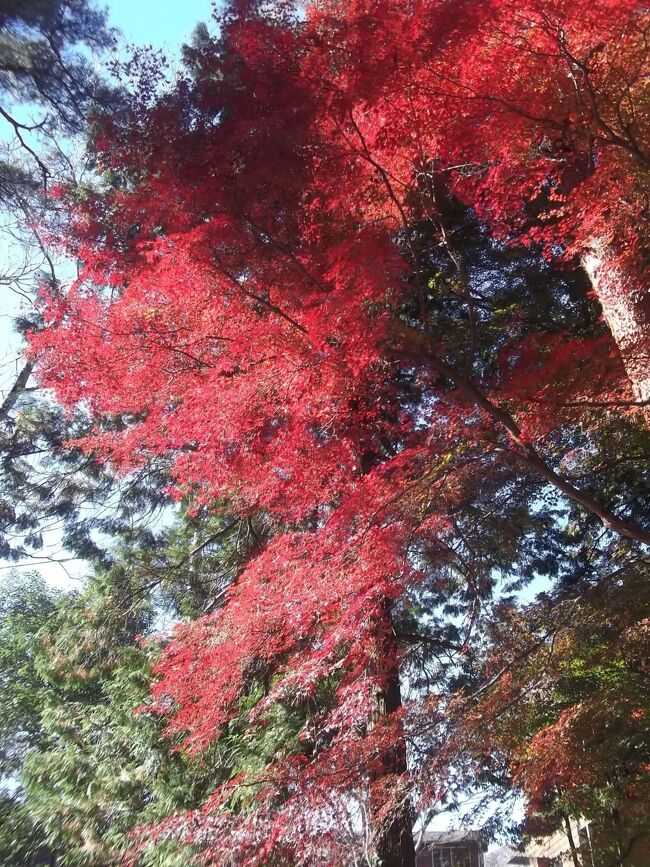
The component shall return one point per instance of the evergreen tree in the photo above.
(26, 606)
(85, 769)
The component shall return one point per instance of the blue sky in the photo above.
(160, 24)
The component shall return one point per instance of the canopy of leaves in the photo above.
(335, 283)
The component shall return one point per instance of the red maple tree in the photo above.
(256, 304)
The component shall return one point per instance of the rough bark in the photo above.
(626, 308)
(395, 846)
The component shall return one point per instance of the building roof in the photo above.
(506, 856)
(452, 838)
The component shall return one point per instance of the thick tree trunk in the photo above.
(395, 847)
(626, 308)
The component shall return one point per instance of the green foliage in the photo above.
(26, 605)
(44, 63)
(103, 768)
(86, 769)
(19, 837)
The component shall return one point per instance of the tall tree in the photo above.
(283, 297)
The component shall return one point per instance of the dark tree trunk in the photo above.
(17, 389)
(395, 847)
(572, 846)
